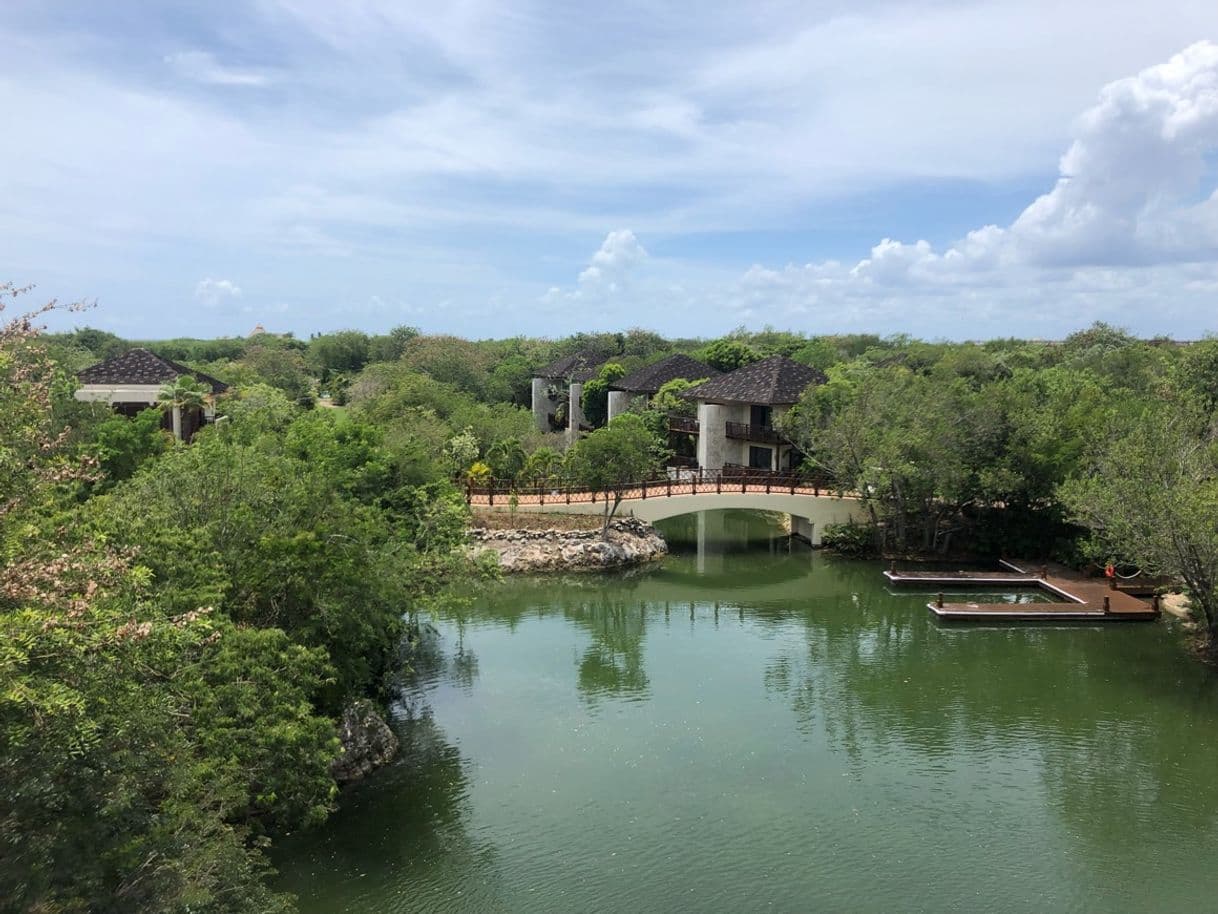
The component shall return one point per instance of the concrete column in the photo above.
(542, 405)
(805, 529)
(177, 422)
(575, 412)
(619, 402)
(712, 436)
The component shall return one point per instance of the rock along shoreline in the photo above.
(631, 542)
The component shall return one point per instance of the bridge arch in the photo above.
(809, 512)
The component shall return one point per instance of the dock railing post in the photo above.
(1154, 604)
(1107, 604)
(939, 601)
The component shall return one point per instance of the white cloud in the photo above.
(1137, 200)
(619, 254)
(202, 67)
(212, 292)
(609, 274)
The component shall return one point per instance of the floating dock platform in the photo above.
(1082, 599)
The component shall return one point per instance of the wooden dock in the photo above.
(1082, 599)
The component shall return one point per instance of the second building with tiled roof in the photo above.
(737, 413)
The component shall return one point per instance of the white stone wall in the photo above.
(575, 412)
(543, 405)
(126, 393)
(712, 436)
(621, 401)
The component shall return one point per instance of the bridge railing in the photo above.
(679, 481)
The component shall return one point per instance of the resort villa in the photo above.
(639, 386)
(736, 414)
(133, 381)
(569, 372)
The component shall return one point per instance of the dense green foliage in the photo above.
(181, 625)
(960, 447)
(623, 452)
(1150, 497)
(596, 393)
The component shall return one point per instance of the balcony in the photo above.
(763, 433)
(683, 425)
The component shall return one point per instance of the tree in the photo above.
(121, 445)
(389, 348)
(184, 395)
(133, 776)
(281, 368)
(1151, 498)
(729, 354)
(462, 450)
(344, 352)
(450, 360)
(818, 353)
(543, 466)
(506, 458)
(595, 399)
(620, 454)
(668, 399)
(1197, 372)
(33, 392)
(915, 449)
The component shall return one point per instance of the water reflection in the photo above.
(748, 727)
(404, 830)
(613, 663)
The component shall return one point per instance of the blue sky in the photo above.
(953, 169)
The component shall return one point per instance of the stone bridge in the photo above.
(809, 507)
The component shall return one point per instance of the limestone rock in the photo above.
(631, 542)
(368, 743)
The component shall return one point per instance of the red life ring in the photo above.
(1109, 570)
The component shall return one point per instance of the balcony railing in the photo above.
(744, 432)
(683, 424)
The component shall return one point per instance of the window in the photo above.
(759, 415)
(760, 458)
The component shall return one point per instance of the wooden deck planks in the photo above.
(1084, 598)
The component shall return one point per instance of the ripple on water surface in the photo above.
(763, 729)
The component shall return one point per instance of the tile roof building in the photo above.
(650, 378)
(571, 371)
(776, 381)
(737, 413)
(646, 381)
(132, 382)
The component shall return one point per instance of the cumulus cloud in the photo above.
(608, 273)
(212, 292)
(619, 254)
(1136, 192)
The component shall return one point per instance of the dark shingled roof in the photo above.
(650, 378)
(776, 380)
(139, 366)
(579, 367)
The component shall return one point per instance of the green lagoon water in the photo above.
(750, 726)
